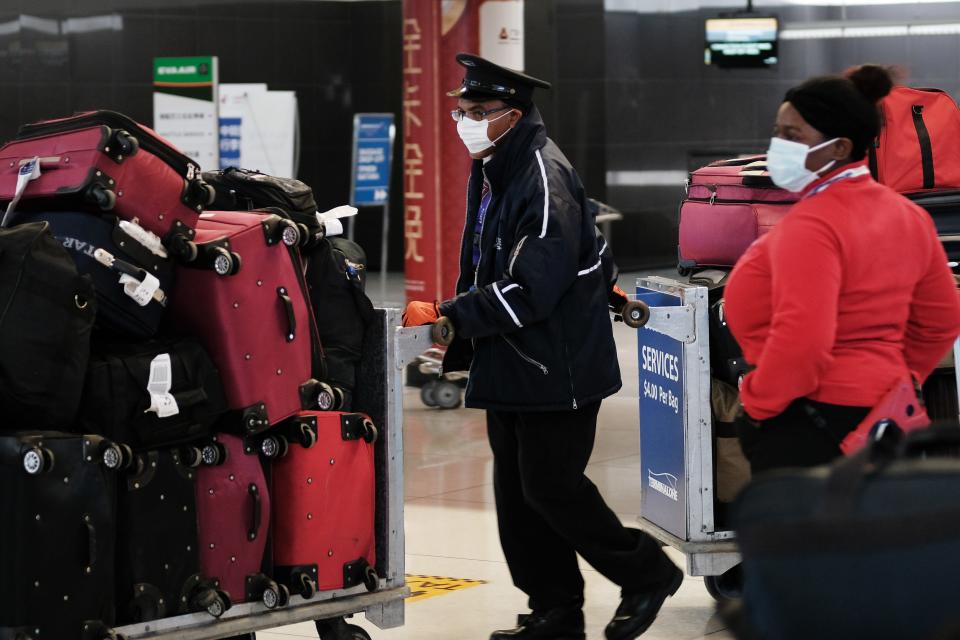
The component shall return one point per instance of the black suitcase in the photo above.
(47, 311)
(336, 278)
(944, 207)
(866, 548)
(117, 403)
(58, 515)
(158, 562)
(128, 244)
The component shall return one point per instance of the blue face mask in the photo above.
(787, 164)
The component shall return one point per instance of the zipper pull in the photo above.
(574, 403)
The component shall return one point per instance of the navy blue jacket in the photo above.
(533, 324)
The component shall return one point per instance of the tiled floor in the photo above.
(451, 524)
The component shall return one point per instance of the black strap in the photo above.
(872, 159)
(926, 148)
(256, 512)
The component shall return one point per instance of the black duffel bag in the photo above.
(247, 190)
(866, 548)
(117, 401)
(47, 311)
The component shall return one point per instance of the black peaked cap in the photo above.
(485, 80)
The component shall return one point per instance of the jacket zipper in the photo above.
(539, 365)
(516, 254)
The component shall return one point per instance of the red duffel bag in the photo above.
(919, 143)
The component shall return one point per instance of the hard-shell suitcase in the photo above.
(728, 205)
(233, 506)
(47, 312)
(916, 148)
(124, 397)
(866, 548)
(109, 250)
(324, 503)
(106, 161)
(158, 560)
(256, 324)
(58, 509)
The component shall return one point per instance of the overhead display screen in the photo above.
(741, 42)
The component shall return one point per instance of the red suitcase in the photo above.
(256, 324)
(728, 205)
(324, 500)
(233, 513)
(107, 161)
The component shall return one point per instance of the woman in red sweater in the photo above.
(847, 295)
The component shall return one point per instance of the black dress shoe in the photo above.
(555, 624)
(637, 611)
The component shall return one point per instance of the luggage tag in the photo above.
(331, 219)
(142, 292)
(162, 401)
(29, 170)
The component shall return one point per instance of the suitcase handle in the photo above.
(291, 316)
(257, 512)
(91, 543)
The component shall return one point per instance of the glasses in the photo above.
(459, 114)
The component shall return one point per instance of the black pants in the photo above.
(806, 434)
(549, 511)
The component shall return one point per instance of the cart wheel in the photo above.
(353, 632)
(447, 395)
(307, 436)
(727, 586)
(635, 314)
(428, 393)
(103, 197)
(371, 580)
(308, 588)
(370, 432)
(442, 332)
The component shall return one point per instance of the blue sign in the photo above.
(662, 459)
(230, 129)
(373, 135)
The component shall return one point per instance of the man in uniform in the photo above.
(533, 328)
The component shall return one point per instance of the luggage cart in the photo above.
(380, 395)
(676, 431)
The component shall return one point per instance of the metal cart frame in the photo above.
(381, 396)
(708, 551)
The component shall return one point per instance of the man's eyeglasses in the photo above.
(460, 114)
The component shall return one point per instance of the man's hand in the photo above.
(420, 313)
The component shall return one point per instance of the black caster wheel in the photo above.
(125, 144)
(635, 314)
(129, 457)
(308, 588)
(353, 632)
(307, 437)
(205, 599)
(727, 587)
(305, 237)
(192, 457)
(371, 580)
(447, 395)
(370, 432)
(210, 194)
(684, 272)
(442, 332)
(326, 398)
(37, 460)
(290, 235)
(223, 263)
(103, 198)
(113, 457)
(428, 393)
(284, 593)
(213, 454)
(183, 249)
(275, 596)
(274, 446)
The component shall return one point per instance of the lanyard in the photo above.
(843, 175)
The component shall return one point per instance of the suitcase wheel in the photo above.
(275, 595)
(191, 457)
(371, 580)
(370, 432)
(37, 460)
(329, 398)
(213, 454)
(124, 144)
(220, 605)
(306, 436)
(223, 263)
(118, 456)
(308, 588)
(103, 197)
(291, 235)
(274, 446)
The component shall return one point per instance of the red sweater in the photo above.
(845, 295)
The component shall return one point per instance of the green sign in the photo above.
(186, 71)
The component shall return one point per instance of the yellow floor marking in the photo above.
(423, 587)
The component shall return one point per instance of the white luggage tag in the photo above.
(162, 401)
(148, 239)
(29, 170)
(331, 220)
(141, 292)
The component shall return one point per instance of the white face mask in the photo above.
(474, 133)
(787, 164)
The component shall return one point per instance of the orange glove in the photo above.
(618, 298)
(420, 313)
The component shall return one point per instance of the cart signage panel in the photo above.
(662, 461)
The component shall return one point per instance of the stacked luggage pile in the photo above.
(178, 353)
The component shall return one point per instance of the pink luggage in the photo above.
(324, 498)
(249, 309)
(728, 205)
(104, 161)
(233, 511)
